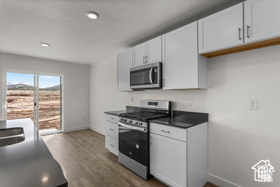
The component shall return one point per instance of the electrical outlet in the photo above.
(253, 104)
(190, 102)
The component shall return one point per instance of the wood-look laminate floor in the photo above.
(88, 163)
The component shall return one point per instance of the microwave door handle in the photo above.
(150, 76)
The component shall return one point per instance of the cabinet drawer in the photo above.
(167, 131)
(112, 118)
(112, 129)
(112, 144)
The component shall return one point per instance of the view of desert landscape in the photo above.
(21, 105)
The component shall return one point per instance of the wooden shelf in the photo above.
(246, 47)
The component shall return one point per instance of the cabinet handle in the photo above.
(165, 131)
(111, 129)
(143, 59)
(239, 33)
(163, 82)
(248, 34)
(146, 59)
(112, 118)
(112, 145)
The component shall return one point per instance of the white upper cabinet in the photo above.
(221, 30)
(148, 52)
(124, 64)
(139, 55)
(154, 50)
(183, 67)
(261, 19)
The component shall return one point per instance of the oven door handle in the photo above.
(150, 75)
(132, 127)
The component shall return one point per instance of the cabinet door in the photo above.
(153, 50)
(112, 144)
(180, 62)
(112, 129)
(168, 160)
(221, 30)
(261, 19)
(124, 63)
(139, 54)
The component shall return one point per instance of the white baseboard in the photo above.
(76, 128)
(100, 131)
(220, 181)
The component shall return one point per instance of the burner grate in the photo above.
(143, 115)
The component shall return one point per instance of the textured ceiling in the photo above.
(75, 38)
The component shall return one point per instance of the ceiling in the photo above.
(74, 38)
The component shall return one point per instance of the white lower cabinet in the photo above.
(112, 144)
(112, 133)
(168, 160)
(175, 161)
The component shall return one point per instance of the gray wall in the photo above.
(238, 137)
(76, 85)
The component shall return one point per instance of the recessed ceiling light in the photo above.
(45, 44)
(92, 15)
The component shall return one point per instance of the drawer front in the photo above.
(167, 131)
(112, 118)
(112, 145)
(112, 129)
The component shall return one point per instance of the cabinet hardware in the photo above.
(163, 82)
(165, 131)
(143, 59)
(111, 129)
(248, 34)
(112, 118)
(112, 145)
(239, 32)
(146, 59)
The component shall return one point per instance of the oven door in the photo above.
(133, 143)
(147, 76)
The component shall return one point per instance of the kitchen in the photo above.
(234, 82)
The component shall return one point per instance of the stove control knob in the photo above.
(130, 121)
(136, 123)
(140, 124)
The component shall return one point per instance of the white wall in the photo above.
(238, 137)
(76, 85)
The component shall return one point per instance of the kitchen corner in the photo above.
(153, 142)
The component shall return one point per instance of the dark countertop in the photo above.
(28, 163)
(116, 113)
(182, 119)
(119, 112)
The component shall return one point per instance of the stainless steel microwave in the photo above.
(148, 76)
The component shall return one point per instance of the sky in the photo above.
(44, 81)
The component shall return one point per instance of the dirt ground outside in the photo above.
(21, 105)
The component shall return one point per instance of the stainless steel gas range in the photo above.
(134, 135)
